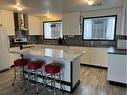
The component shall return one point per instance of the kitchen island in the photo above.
(69, 58)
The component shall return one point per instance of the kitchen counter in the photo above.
(66, 53)
(117, 51)
(91, 57)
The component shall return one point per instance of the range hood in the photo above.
(21, 21)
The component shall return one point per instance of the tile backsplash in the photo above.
(75, 40)
(122, 42)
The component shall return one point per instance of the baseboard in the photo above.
(95, 66)
(3, 70)
(118, 83)
(76, 85)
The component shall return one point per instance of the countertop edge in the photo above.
(112, 50)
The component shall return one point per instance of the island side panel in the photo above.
(75, 72)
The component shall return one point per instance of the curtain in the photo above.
(99, 28)
(56, 30)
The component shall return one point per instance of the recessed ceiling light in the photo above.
(91, 2)
(19, 8)
(48, 16)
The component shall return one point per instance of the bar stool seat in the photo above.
(20, 62)
(34, 67)
(52, 68)
(19, 65)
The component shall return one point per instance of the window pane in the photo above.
(102, 28)
(53, 30)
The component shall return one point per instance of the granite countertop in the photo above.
(50, 52)
(112, 50)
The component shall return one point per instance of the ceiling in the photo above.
(57, 7)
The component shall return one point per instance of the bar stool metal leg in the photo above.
(54, 90)
(45, 83)
(14, 76)
(36, 79)
(18, 71)
(29, 79)
(61, 86)
(21, 77)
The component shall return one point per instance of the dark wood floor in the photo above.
(93, 82)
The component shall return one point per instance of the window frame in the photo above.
(100, 39)
(44, 31)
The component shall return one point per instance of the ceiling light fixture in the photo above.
(48, 16)
(91, 2)
(19, 8)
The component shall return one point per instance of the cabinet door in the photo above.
(71, 23)
(7, 20)
(94, 56)
(34, 25)
(117, 68)
(99, 56)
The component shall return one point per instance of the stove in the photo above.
(20, 40)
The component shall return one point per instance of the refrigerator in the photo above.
(4, 49)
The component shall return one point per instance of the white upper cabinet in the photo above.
(34, 25)
(7, 21)
(71, 23)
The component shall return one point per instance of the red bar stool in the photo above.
(52, 70)
(34, 67)
(19, 65)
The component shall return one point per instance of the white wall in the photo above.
(7, 20)
(35, 25)
(115, 11)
